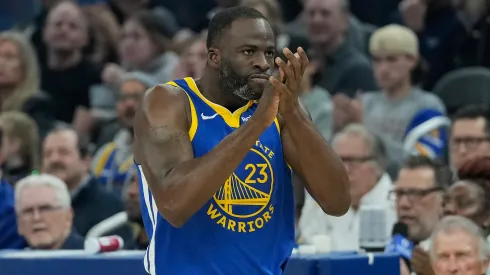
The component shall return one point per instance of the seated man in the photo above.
(45, 216)
(458, 247)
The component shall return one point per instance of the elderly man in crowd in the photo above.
(363, 157)
(458, 247)
(45, 216)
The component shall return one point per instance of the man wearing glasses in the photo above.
(418, 194)
(44, 213)
(364, 157)
(470, 134)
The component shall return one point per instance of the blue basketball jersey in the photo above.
(247, 227)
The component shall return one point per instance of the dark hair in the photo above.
(83, 143)
(159, 32)
(474, 112)
(442, 172)
(477, 170)
(222, 21)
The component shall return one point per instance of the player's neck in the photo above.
(209, 87)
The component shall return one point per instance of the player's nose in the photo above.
(261, 63)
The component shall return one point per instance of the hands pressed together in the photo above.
(282, 97)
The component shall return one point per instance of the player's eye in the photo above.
(248, 52)
(270, 53)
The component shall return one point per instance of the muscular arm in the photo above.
(180, 183)
(312, 158)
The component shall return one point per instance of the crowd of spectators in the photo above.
(399, 88)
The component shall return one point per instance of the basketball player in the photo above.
(213, 156)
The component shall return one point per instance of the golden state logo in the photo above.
(242, 204)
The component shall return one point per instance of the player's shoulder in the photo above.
(163, 98)
(162, 104)
(164, 93)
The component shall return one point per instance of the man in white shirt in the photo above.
(363, 155)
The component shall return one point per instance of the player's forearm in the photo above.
(322, 171)
(191, 184)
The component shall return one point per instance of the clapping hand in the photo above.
(291, 78)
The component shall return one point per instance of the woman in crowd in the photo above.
(146, 46)
(19, 81)
(470, 196)
(192, 59)
(21, 147)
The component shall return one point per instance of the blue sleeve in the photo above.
(9, 237)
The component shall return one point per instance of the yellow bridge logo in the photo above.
(242, 204)
(244, 198)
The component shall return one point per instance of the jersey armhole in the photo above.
(194, 121)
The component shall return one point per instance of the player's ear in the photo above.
(214, 57)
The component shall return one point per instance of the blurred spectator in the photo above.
(457, 247)
(395, 57)
(42, 203)
(342, 68)
(470, 196)
(364, 158)
(130, 217)
(358, 33)
(193, 58)
(132, 205)
(66, 155)
(112, 161)
(470, 135)
(475, 44)
(438, 28)
(419, 195)
(9, 238)
(105, 32)
(66, 75)
(22, 146)
(146, 46)
(19, 81)
(318, 102)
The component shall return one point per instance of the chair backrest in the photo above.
(466, 86)
(108, 225)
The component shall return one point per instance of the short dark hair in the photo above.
(83, 143)
(222, 21)
(443, 174)
(474, 112)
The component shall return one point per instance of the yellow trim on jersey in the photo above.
(277, 125)
(232, 119)
(104, 156)
(194, 120)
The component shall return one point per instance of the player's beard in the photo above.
(230, 80)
